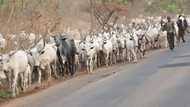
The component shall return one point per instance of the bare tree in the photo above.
(102, 16)
(13, 6)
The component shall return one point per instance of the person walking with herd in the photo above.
(182, 25)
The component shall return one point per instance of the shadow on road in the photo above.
(176, 65)
(183, 56)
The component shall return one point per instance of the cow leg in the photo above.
(176, 41)
(14, 85)
(134, 55)
(23, 81)
(183, 38)
(62, 69)
(9, 79)
(70, 65)
(128, 56)
(60, 60)
(138, 53)
(120, 55)
(107, 59)
(91, 65)
(110, 58)
(74, 65)
(141, 52)
(39, 76)
(29, 75)
(123, 55)
(52, 70)
(99, 58)
(114, 57)
(49, 72)
(77, 63)
(117, 55)
(95, 61)
(88, 65)
(66, 70)
(166, 43)
(180, 36)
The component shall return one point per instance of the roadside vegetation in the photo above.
(38, 15)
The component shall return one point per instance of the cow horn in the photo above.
(35, 43)
(44, 43)
(22, 47)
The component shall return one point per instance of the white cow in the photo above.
(152, 35)
(47, 59)
(33, 60)
(33, 57)
(27, 77)
(140, 41)
(15, 64)
(114, 40)
(98, 43)
(91, 56)
(121, 43)
(107, 50)
(130, 44)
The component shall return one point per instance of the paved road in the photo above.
(161, 80)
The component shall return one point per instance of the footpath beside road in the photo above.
(162, 79)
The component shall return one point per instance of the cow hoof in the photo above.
(72, 76)
(13, 95)
(89, 73)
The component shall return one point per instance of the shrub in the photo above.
(4, 94)
(172, 7)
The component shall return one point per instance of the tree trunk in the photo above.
(12, 11)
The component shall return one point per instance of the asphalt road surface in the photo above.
(162, 79)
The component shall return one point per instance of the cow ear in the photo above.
(63, 38)
(42, 52)
(29, 52)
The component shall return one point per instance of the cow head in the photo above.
(34, 57)
(5, 71)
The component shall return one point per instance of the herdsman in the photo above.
(182, 25)
(170, 28)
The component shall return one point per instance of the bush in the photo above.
(4, 94)
(124, 1)
(172, 7)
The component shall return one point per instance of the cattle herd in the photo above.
(58, 55)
